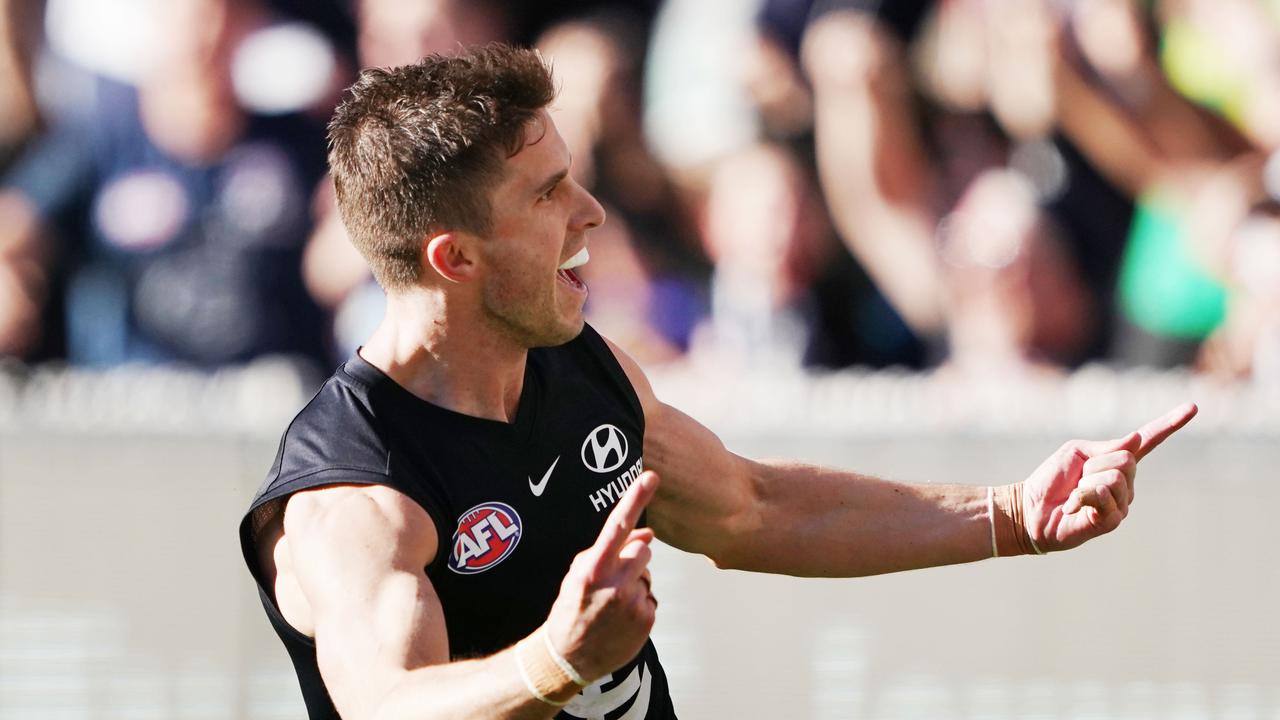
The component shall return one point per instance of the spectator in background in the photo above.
(1058, 131)
(754, 115)
(1018, 303)
(1172, 291)
(531, 20)
(890, 164)
(1121, 110)
(394, 32)
(182, 215)
(850, 322)
(871, 155)
(1236, 218)
(1247, 343)
(898, 150)
(769, 238)
(22, 285)
(1068, 96)
(18, 115)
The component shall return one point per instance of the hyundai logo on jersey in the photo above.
(486, 535)
(605, 449)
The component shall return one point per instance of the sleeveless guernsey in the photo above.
(512, 503)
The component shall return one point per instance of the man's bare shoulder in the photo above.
(360, 516)
(634, 373)
(339, 537)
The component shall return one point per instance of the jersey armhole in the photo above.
(602, 354)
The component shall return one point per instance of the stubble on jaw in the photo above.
(522, 304)
(526, 317)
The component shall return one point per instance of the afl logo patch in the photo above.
(486, 535)
(605, 449)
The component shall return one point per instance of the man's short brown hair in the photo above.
(417, 149)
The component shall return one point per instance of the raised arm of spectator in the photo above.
(23, 279)
(347, 567)
(871, 161)
(52, 175)
(1108, 93)
(795, 519)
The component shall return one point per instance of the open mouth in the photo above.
(571, 279)
(566, 274)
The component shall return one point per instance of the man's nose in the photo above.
(589, 212)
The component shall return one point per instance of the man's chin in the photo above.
(549, 335)
(566, 332)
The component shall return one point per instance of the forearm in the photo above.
(487, 688)
(884, 222)
(1106, 136)
(490, 688)
(871, 161)
(819, 522)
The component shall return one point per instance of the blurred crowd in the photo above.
(989, 188)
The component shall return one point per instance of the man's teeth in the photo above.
(580, 258)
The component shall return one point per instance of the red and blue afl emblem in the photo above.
(486, 535)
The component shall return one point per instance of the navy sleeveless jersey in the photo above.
(512, 503)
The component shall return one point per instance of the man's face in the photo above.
(540, 221)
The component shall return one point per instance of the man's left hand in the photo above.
(1085, 489)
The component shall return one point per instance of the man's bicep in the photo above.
(359, 555)
(705, 497)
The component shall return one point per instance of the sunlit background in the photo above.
(930, 240)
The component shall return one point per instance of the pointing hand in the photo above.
(606, 607)
(1085, 489)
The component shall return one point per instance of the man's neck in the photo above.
(453, 362)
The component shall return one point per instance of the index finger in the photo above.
(1155, 432)
(622, 520)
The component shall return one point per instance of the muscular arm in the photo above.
(348, 568)
(875, 526)
(772, 516)
(763, 515)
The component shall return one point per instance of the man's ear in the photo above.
(448, 254)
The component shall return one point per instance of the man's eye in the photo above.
(550, 191)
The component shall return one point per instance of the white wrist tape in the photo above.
(542, 675)
(1010, 534)
(560, 660)
(1034, 546)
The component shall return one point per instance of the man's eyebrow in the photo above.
(552, 181)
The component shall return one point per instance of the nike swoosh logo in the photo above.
(538, 487)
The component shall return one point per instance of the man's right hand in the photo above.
(606, 607)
